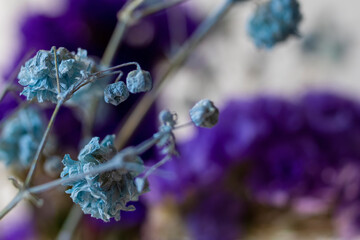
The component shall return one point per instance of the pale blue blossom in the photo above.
(103, 195)
(20, 137)
(38, 75)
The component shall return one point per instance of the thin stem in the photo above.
(180, 57)
(124, 16)
(155, 166)
(156, 8)
(183, 125)
(42, 145)
(4, 91)
(111, 70)
(12, 204)
(57, 71)
(146, 145)
(70, 224)
(111, 165)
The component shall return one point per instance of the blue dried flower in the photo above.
(204, 114)
(139, 81)
(116, 93)
(102, 195)
(20, 137)
(274, 22)
(38, 76)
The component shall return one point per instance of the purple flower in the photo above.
(328, 113)
(245, 124)
(216, 215)
(282, 170)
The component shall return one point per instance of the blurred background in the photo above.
(283, 161)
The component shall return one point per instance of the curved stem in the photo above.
(156, 166)
(176, 62)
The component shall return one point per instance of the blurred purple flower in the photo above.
(328, 113)
(18, 228)
(217, 215)
(282, 169)
(347, 221)
(303, 154)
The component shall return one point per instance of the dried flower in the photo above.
(38, 76)
(204, 114)
(116, 93)
(139, 81)
(274, 22)
(103, 195)
(20, 137)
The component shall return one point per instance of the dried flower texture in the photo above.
(102, 195)
(38, 76)
(274, 22)
(20, 137)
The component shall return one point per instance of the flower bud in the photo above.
(139, 81)
(167, 118)
(204, 114)
(116, 93)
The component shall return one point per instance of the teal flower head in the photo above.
(273, 22)
(20, 137)
(38, 76)
(102, 195)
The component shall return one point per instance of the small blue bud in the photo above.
(139, 81)
(204, 114)
(140, 183)
(116, 93)
(168, 118)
